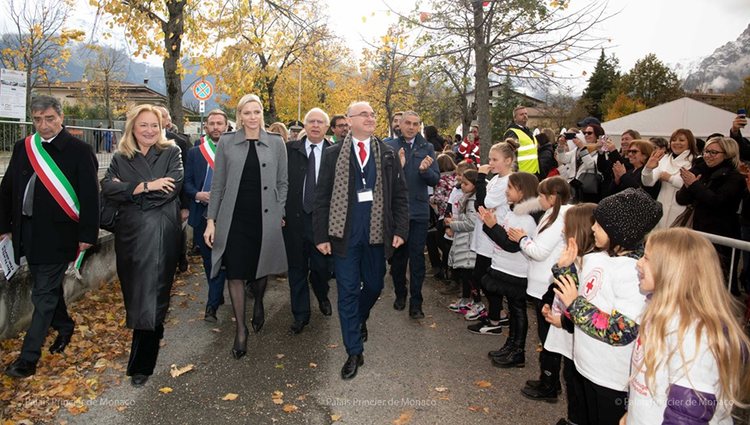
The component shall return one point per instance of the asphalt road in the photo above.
(431, 371)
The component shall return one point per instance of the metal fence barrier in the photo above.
(735, 244)
(13, 131)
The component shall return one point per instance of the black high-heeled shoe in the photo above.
(239, 353)
(259, 315)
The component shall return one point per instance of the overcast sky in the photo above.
(675, 30)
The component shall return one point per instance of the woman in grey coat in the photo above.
(245, 214)
(143, 179)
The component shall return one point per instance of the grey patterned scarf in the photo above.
(340, 195)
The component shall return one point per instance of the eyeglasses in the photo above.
(633, 151)
(712, 153)
(588, 133)
(364, 115)
(343, 125)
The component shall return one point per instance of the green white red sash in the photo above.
(208, 149)
(52, 177)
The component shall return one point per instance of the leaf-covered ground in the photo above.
(95, 359)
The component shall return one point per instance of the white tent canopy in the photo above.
(660, 121)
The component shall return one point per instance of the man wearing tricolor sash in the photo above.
(49, 206)
(199, 170)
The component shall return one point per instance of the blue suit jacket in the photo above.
(416, 181)
(195, 174)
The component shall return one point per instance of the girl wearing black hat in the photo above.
(607, 305)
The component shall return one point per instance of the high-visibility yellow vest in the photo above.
(527, 154)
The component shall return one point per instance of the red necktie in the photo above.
(362, 153)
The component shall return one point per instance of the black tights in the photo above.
(237, 295)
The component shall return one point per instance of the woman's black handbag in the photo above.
(590, 183)
(108, 210)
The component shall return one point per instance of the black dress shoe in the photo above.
(416, 313)
(138, 380)
(183, 264)
(239, 350)
(259, 315)
(363, 331)
(21, 369)
(297, 327)
(210, 315)
(353, 363)
(544, 392)
(325, 307)
(400, 303)
(60, 343)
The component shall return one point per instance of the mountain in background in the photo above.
(724, 70)
(137, 73)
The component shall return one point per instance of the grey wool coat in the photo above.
(231, 153)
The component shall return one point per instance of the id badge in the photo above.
(364, 195)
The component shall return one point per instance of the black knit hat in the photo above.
(627, 217)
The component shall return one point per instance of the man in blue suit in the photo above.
(199, 170)
(417, 156)
(360, 216)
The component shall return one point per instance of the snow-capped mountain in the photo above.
(685, 67)
(724, 70)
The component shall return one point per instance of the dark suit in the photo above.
(195, 177)
(360, 266)
(411, 254)
(183, 141)
(303, 257)
(49, 238)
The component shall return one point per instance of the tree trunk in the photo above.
(107, 101)
(28, 94)
(271, 107)
(482, 81)
(173, 32)
(465, 115)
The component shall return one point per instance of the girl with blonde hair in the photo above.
(689, 364)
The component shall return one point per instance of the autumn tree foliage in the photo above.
(259, 42)
(104, 70)
(526, 39)
(38, 41)
(160, 27)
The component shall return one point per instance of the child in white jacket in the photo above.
(509, 270)
(543, 252)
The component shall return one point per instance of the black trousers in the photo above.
(605, 406)
(49, 308)
(314, 268)
(549, 362)
(144, 350)
(577, 412)
(438, 247)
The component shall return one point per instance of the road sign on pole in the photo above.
(202, 90)
(202, 107)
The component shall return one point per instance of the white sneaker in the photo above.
(477, 310)
(461, 304)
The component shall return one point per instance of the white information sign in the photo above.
(13, 94)
(7, 261)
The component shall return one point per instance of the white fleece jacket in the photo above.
(544, 249)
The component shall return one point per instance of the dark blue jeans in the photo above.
(359, 280)
(410, 254)
(215, 285)
(315, 266)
